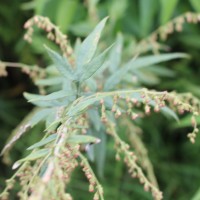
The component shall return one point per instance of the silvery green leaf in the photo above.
(146, 77)
(100, 151)
(77, 46)
(151, 60)
(43, 142)
(53, 96)
(61, 64)
(116, 77)
(115, 54)
(95, 118)
(82, 139)
(161, 71)
(89, 45)
(91, 83)
(168, 112)
(91, 68)
(33, 156)
(40, 115)
(45, 103)
(49, 81)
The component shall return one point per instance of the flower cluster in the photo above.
(164, 31)
(130, 160)
(53, 33)
(94, 185)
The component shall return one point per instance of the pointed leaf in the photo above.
(89, 45)
(40, 115)
(116, 77)
(81, 139)
(61, 64)
(49, 81)
(91, 68)
(151, 60)
(43, 142)
(53, 96)
(33, 156)
(115, 54)
(35, 99)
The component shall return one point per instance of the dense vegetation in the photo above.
(125, 101)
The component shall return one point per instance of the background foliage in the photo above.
(168, 148)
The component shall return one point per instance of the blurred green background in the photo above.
(175, 160)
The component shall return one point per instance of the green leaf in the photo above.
(167, 9)
(197, 194)
(147, 15)
(91, 68)
(151, 60)
(95, 119)
(89, 45)
(61, 64)
(33, 156)
(195, 4)
(146, 77)
(186, 121)
(168, 112)
(161, 71)
(43, 142)
(65, 14)
(53, 96)
(44, 101)
(117, 10)
(49, 81)
(81, 139)
(116, 77)
(39, 116)
(115, 54)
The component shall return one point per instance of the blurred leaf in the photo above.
(81, 29)
(186, 121)
(39, 115)
(115, 54)
(195, 4)
(118, 75)
(65, 14)
(91, 83)
(196, 196)
(146, 77)
(147, 15)
(43, 142)
(161, 71)
(100, 152)
(49, 81)
(167, 9)
(168, 112)
(81, 139)
(117, 9)
(152, 60)
(33, 156)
